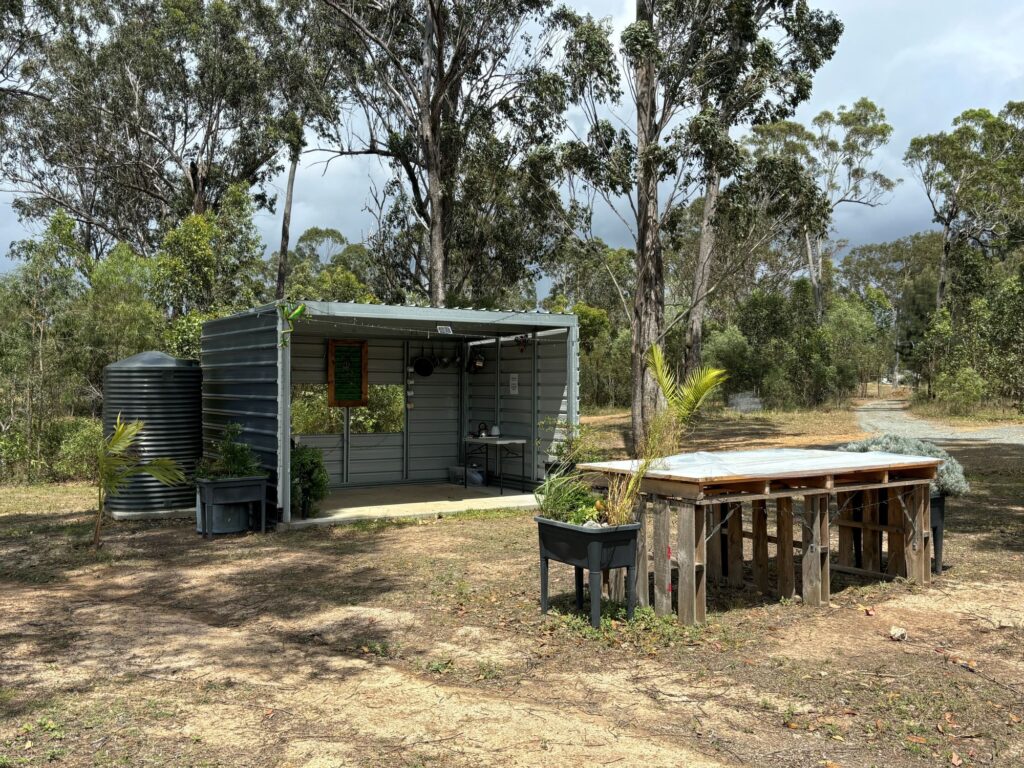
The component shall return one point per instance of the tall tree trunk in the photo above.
(702, 274)
(431, 135)
(814, 271)
(947, 246)
(286, 223)
(649, 298)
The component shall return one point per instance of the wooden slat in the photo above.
(871, 539)
(823, 551)
(897, 564)
(690, 594)
(662, 558)
(642, 571)
(713, 557)
(735, 533)
(925, 511)
(784, 550)
(759, 523)
(844, 500)
(912, 535)
(811, 538)
(795, 492)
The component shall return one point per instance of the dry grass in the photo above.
(421, 645)
(984, 416)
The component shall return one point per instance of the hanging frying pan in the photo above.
(423, 365)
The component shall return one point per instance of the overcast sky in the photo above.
(922, 61)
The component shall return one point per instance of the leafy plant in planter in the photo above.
(309, 479)
(229, 481)
(949, 481)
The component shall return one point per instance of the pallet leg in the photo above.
(824, 548)
(662, 558)
(784, 548)
(714, 547)
(594, 560)
(544, 585)
(759, 523)
(845, 556)
(579, 588)
(925, 512)
(735, 527)
(872, 539)
(896, 564)
(914, 518)
(641, 574)
(811, 539)
(690, 595)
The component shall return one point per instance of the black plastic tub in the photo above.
(597, 550)
(224, 505)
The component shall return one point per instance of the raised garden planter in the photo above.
(597, 550)
(224, 505)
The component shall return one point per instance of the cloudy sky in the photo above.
(923, 61)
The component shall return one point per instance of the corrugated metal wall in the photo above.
(239, 360)
(433, 417)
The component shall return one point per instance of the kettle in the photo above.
(495, 432)
(482, 429)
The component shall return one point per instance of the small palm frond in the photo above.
(123, 436)
(684, 400)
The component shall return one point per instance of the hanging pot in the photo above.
(423, 365)
(434, 359)
(475, 363)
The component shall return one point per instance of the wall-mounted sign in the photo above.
(513, 383)
(347, 380)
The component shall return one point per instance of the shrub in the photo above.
(309, 478)
(76, 457)
(950, 480)
(960, 392)
(565, 497)
(232, 458)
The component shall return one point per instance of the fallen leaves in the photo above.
(955, 759)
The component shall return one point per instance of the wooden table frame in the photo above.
(893, 502)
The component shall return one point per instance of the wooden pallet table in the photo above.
(877, 499)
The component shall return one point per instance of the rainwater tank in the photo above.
(166, 394)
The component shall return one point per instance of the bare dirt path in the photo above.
(894, 416)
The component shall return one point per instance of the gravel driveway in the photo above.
(893, 416)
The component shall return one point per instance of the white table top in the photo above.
(705, 466)
(496, 440)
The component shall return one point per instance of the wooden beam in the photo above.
(784, 550)
(812, 548)
(735, 533)
(861, 572)
(798, 492)
(662, 557)
(713, 558)
(897, 564)
(759, 518)
(642, 571)
(690, 595)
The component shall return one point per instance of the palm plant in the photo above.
(117, 462)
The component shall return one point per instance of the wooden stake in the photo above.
(662, 557)
(784, 548)
(690, 531)
(643, 567)
(759, 523)
(736, 544)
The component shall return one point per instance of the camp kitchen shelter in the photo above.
(527, 384)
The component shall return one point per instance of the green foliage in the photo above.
(309, 479)
(683, 399)
(231, 458)
(961, 391)
(311, 415)
(384, 411)
(950, 480)
(117, 462)
(567, 498)
(76, 457)
(594, 324)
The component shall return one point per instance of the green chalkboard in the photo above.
(346, 373)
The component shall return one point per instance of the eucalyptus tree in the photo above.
(147, 111)
(456, 96)
(972, 176)
(694, 69)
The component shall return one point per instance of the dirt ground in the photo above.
(422, 645)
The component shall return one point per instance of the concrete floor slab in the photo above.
(351, 505)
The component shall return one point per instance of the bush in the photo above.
(950, 480)
(567, 498)
(960, 392)
(232, 459)
(76, 457)
(309, 479)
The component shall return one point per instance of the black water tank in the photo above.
(166, 394)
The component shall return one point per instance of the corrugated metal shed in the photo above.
(248, 379)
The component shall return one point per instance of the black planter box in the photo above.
(938, 505)
(225, 504)
(597, 550)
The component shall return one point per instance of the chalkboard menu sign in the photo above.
(346, 373)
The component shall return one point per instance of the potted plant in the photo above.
(228, 484)
(950, 480)
(579, 528)
(309, 479)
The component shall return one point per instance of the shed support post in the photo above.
(284, 421)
